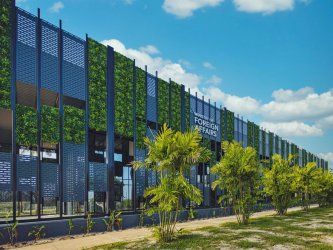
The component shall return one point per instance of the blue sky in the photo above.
(270, 61)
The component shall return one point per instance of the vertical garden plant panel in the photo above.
(5, 32)
(50, 124)
(256, 131)
(175, 106)
(74, 125)
(250, 133)
(26, 126)
(187, 111)
(140, 98)
(123, 95)
(163, 102)
(97, 85)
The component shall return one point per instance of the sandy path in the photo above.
(133, 234)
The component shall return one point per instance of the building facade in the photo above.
(73, 116)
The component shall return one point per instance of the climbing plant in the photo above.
(50, 124)
(123, 95)
(163, 102)
(5, 67)
(97, 54)
(141, 109)
(26, 125)
(175, 106)
(74, 124)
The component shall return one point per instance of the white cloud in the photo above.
(326, 122)
(266, 6)
(302, 104)
(241, 105)
(208, 65)
(214, 80)
(165, 67)
(327, 157)
(185, 8)
(56, 7)
(293, 128)
(149, 49)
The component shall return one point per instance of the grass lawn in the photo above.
(297, 230)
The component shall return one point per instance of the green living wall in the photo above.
(97, 54)
(163, 102)
(175, 106)
(50, 124)
(74, 125)
(256, 131)
(271, 141)
(141, 108)
(187, 111)
(263, 136)
(250, 134)
(26, 126)
(5, 67)
(282, 148)
(123, 95)
(227, 125)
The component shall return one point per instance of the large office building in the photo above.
(73, 116)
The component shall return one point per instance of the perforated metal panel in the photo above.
(5, 172)
(49, 57)
(50, 180)
(151, 98)
(74, 172)
(193, 175)
(199, 107)
(74, 66)
(26, 173)
(140, 174)
(26, 47)
(192, 103)
(206, 110)
(97, 177)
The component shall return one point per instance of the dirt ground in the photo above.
(81, 242)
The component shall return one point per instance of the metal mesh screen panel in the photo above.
(97, 177)
(200, 108)
(74, 172)
(26, 173)
(50, 180)
(26, 47)
(5, 172)
(140, 174)
(73, 66)
(151, 98)
(49, 57)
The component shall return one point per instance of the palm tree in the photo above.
(239, 174)
(172, 154)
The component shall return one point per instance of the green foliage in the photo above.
(263, 133)
(50, 124)
(256, 130)
(97, 85)
(176, 106)
(113, 219)
(227, 125)
(171, 154)
(123, 95)
(26, 126)
(5, 41)
(324, 194)
(278, 183)
(11, 229)
(140, 98)
(74, 124)
(238, 173)
(271, 141)
(37, 232)
(89, 224)
(70, 226)
(305, 183)
(250, 133)
(163, 102)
